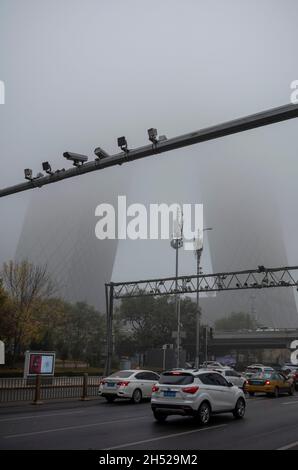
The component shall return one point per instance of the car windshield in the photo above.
(122, 374)
(176, 378)
(253, 370)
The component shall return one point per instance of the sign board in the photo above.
(2, 353)
(39, 362)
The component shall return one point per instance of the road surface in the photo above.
(269, 424)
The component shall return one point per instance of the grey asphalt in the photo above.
(269, 424)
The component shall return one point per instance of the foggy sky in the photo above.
(80, 74)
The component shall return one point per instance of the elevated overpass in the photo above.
(267, 339)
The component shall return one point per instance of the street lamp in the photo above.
(176, 243)
(198, 246)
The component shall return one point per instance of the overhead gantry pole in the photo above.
(252, 121)
(260, 278)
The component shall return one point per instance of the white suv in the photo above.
(195, 393)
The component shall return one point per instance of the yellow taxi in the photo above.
(272, 383)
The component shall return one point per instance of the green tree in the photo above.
(26, 285)
(52, 318)
(85, 333)
(148, 322)
(6, 326)
(74, 331)
(3, 296)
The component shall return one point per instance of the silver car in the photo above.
(131, 384)
(232, 376)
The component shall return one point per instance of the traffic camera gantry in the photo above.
(159, 144)
(260, 278)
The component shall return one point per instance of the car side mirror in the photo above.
(230, 384)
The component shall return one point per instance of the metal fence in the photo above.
(47, 388)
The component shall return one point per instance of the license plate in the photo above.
(169, 394)
(110, 384)
(256, 382)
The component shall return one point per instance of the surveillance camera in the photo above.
(100, 153)
(77, 158)
(122, 143)
(152, 134)
(28, 174)
(47, 168)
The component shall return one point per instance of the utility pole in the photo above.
(206, 343)
(198, 246)
(176, 243)
(253, 311)
(198, 312)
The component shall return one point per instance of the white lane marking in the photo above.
(41, 416)
(253, 400)
(168, 436)
(69, 428)
(289, 403)
(289, 446)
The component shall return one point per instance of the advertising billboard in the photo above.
(39, 362)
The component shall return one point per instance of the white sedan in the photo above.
(234, 377)
(131, 384)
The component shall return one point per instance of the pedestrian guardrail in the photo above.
(39, 388)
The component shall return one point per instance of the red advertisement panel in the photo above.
(35, 364)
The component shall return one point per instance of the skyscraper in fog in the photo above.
(238, 186)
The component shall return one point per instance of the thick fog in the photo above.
(79, 74)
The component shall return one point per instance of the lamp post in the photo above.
(198, 246)
(176, 243)
(206, 344)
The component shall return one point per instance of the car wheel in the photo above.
(251, 394)
(203, 414)
(291, 390)
(136, 396)
(110, 399)
(239, 410)
(160, 417)
(276, 392)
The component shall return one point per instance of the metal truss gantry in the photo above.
(261, 278)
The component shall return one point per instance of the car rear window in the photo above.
(254, 370)
(123, 374)
(263, 375)
(176, 378)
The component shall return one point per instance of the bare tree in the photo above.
(27, 285)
